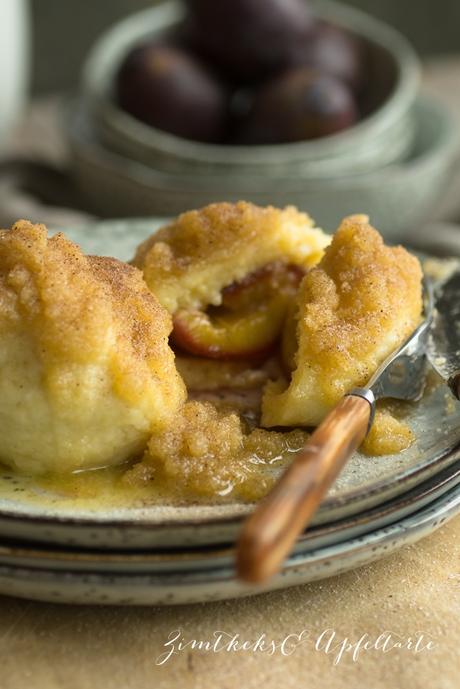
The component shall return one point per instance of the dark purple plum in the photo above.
(166, 88)
(298, 105)
(247, 39)
(331, 50)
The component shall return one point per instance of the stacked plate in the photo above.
(100, 551)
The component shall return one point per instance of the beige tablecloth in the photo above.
(416, 591)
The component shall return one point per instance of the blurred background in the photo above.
(70, 154)
(64, 31)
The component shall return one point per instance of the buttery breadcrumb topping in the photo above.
(82, 340)
(352, 310)
(189, 262)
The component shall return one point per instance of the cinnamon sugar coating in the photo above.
(209, 453)
(86, 372)
(357, 306)
(189, 262)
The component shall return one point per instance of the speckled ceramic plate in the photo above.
(146, 583)
(30, 512)
(32, 555)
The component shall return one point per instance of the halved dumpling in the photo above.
(353, 309)
(226, 273)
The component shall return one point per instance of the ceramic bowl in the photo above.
(383, 137)
(397, 198)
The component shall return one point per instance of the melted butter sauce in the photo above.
(107, 488)
(95, 489)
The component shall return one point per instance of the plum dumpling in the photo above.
(86, 372)
(352, 310)
(226, 273)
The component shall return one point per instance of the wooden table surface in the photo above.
(416, 590)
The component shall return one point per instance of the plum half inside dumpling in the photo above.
(227, 272)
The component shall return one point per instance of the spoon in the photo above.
(271, 530)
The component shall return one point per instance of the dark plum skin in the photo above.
(246, 39)
(331, 50)
(166, 88)
(300, 104)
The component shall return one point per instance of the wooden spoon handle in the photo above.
(269, 533)
(454, 384)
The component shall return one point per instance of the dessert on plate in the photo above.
(269, 324)
(86, 372)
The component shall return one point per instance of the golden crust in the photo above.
(187, 263)
(94, 346)
(209, 453)
(358, 305)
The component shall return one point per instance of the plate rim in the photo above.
(450, 480)
(349, 497)
(220, 583)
